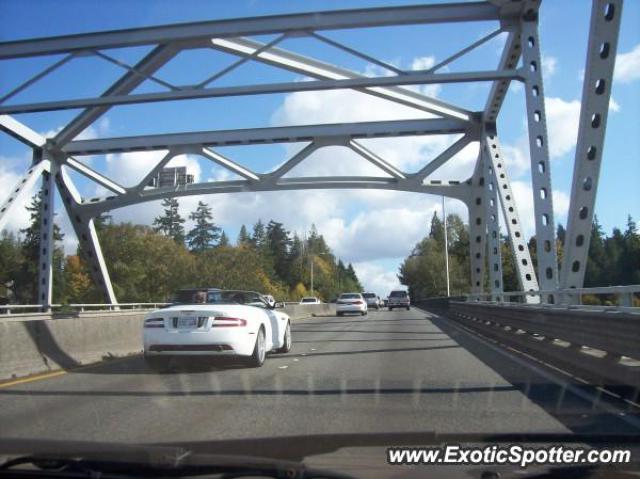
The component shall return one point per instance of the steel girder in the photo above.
(191, 33)
(494, 249)
(127, 83)
(519, 19)
(360, 83)
(539, 155)
(329, 133)
(499, 181)
(47, 244)
(596, 94)
(84, 228)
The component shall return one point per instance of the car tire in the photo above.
(364, 313)
(259, 354)
(408, 308)
(286, 347)
(339, 314)
(390, 308)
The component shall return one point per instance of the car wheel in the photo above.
(259, 350)
(408, 308)
(390, 308)
(286, 347)
(339, 314)
(364, 313)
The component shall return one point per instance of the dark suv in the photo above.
(399, 299)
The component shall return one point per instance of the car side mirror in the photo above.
(278, 305)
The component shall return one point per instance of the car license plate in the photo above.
(186, 323)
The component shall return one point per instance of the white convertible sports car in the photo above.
(213, 322)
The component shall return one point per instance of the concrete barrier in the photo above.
(300, 311)
(31, 345)
(41, 345)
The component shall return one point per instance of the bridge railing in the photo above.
(622, 298)
(75, 307)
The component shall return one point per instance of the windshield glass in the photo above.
(204, 296)
(319, 230)
(350, 296)
(398, 294)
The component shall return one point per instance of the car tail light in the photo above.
(154, 323)
(357, 302)
(225, 322)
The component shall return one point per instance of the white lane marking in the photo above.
(283, 367)
(295, 360)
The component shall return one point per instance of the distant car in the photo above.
(385, 302)
(372, 299)
(351, 303)
(310, 300)
(211, 322)
(399, 299)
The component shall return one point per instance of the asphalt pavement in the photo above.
(389, 372)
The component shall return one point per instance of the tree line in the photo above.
(612, 260)
(149, 263)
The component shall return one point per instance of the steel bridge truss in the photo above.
(487, 185)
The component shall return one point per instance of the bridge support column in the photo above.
(47, 244)
(596, 93)
(477, 241)
(494, 256)
(499, 181)
(87, 237)
(539, 154)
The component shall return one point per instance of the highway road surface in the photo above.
(390, 372)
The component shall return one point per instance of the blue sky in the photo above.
(372, 229)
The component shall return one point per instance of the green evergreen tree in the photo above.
(437, 229)
(630, 266)
(243, 237)
(258, 238)
(205, 233)
(278, 243)
(11, 261)
(27, 279)
(170, 224)
(597, 258)
(224, 240)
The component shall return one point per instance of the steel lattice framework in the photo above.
(487, 185)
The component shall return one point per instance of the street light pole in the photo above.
(446, 245)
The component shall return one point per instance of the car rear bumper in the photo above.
(227, 341)
(351, 308)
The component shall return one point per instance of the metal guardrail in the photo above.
(602, 347)
(38, 308)
(567, 298)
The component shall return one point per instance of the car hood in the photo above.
(293, 448)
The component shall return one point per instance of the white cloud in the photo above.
(377, 279)
(19, 216)
(627, 67)
(423, 63)
(549, 66)
(614, 106)
(523, 192)
(562, 125)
